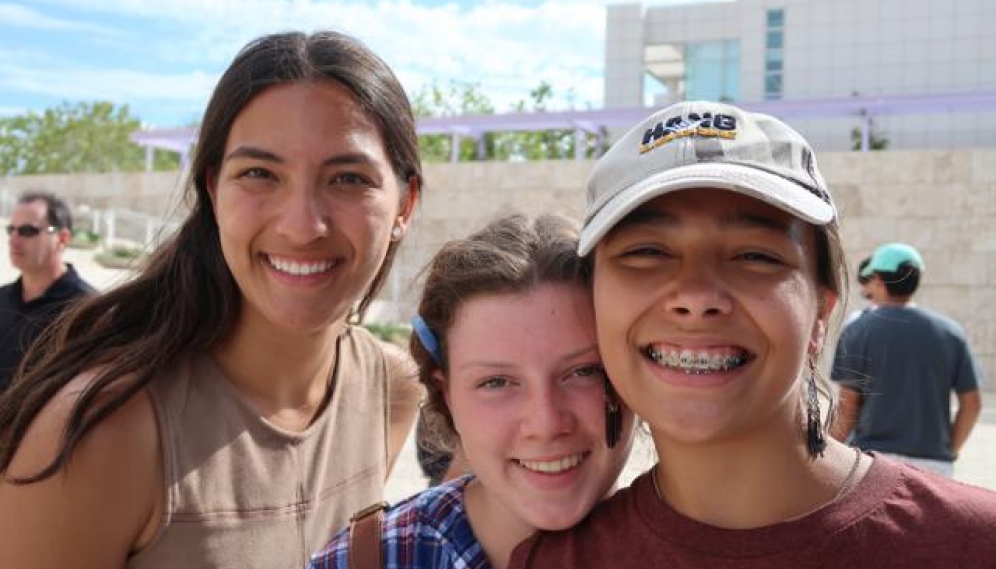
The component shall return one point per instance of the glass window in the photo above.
(776, 18)
(775, 39)
(773, 86)
(712, 71)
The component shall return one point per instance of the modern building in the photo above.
(909, 53)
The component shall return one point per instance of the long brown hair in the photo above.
(512, 254)
(185, 300)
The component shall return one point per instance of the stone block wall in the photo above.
(942, 202)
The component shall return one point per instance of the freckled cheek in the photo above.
(588, 407)
(483, 428)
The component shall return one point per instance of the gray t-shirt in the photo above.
(905, 360)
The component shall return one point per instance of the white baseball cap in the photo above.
(701, 144)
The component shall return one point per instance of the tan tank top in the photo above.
(242, 493)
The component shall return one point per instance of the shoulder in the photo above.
(365, 345)
(109, 495)
(72, 284)
(131, 427)
(610, 524)
(402, 373)
(427, 522)
(940, 502)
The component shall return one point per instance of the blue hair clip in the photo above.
(427, 338)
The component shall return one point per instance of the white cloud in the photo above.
(22, 71)
(14, 15)
(12, 111)
(506, 47)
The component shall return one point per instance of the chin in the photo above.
(563, 519)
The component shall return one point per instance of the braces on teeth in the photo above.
(696, 363)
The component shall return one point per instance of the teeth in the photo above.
(299, 269)
(553, 466)
(697, 362)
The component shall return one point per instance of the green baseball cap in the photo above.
(888, 258)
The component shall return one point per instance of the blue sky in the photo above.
(162, 57)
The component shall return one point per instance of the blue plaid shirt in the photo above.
(429, 530)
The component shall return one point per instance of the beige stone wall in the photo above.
(942, 202)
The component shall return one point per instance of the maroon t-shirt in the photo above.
(897, 516)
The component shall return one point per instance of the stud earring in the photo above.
(815, 440)
(396, 233)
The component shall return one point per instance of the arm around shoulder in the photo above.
(405, 394)
(96, 510)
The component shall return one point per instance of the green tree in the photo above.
(876, 139)
(80, 137)
(462, 98)
(456, 98)
(537, 145)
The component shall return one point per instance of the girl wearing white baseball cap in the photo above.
(716, 266)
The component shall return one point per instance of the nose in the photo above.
(547, 414)
(303, 215)
(697, 292)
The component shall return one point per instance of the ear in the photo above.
(440, 380)
(827, 302)
(407, 209)
(63, 237)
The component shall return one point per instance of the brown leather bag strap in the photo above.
(364, 537)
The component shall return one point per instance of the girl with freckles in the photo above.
(505, 344)
(716, 265)
(220, 410)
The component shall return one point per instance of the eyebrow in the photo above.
(593, 349)
(736, 220)
(255, 153)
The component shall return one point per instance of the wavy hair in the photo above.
(185, 300)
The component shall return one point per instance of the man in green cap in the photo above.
(897, 367)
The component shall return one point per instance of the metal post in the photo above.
(109, 224)
(579, 140)
(150, 230)
(454, 147)
(482, 149)
(150, 155)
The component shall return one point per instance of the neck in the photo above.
(896, 301)
(743, 483)
(35, 283)
(495, 527)
(286, 377)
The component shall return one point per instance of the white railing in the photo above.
(124, 226)
(115, 226)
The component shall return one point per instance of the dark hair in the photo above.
(863, 280)
(902, 282)
(509, 255)
(56, 209)
(186, 300)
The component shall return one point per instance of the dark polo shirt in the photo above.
(21, 322)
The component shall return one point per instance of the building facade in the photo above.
(805, 50)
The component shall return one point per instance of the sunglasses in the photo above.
(29, 230)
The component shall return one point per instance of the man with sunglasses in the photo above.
(38, 231)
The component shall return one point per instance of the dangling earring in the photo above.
(816, 442)
(396, 233)
(613, 416)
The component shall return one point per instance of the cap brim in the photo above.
(759, 184)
